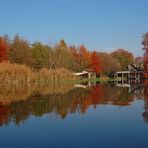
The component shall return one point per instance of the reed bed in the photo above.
(14, 73)
(54, 75)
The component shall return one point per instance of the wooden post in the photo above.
(94, 75)
(89, 74)
(122, 77)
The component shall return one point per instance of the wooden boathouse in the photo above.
(137, 75)
(87, 74)
(133, 72)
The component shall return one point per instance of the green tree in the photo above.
(41, 55)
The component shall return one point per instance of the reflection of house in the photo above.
(86, 74)
(80, 86)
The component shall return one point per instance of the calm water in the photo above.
(104, 116)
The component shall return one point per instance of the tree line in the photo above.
(75, 58)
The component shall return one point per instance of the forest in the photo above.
(38, 56)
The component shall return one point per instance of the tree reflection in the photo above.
(4, 115)
(17, 104)
(145, 95)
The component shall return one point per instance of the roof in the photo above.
(81, 73)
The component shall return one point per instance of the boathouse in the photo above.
(130, 75)
(87, 74)
(133, 72)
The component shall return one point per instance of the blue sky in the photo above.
(102, 25)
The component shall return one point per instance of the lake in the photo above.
(100, 115)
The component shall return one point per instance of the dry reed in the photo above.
(15, 73)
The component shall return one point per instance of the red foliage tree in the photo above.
(3, 50)
(145, 61)
(145, 41)
(95, 65)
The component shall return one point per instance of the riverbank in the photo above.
(11, 74)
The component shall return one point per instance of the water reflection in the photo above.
(18, 103)
(139, 89)
(145, 95)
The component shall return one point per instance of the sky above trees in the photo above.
(102, 25)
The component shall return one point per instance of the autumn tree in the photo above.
(109, 64)
(3, 50)
(84, 57)
(139, 63)
(123, 57)
(81, 57)
(145, 44)
(63, 45)
(95, 64)
(62, 56)
(20, 51)
(145, 41)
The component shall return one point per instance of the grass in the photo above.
(101, 80)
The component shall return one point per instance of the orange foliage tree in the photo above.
(3, 50)
(81, 57)
(84, 57)
(95, 64)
